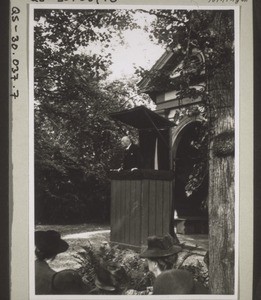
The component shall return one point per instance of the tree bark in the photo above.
(222, 191)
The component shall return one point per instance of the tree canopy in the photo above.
(76, 143)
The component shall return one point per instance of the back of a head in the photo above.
(48, 244)
(173, 282)
(69, 282)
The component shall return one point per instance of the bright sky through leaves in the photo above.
(139, 51)
(136, 49)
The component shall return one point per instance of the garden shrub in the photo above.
(136, 275)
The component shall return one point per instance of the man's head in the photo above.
(68, 282)
(160, 264)
(48, 244)
(161, 253)
(125, 141)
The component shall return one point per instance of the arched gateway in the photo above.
(189, 208)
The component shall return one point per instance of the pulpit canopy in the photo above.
(142, 118)
(154, 135)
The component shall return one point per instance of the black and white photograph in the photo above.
(134, 154)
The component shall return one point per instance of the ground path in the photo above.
(80, 236)
(200, 240)
(86, 235)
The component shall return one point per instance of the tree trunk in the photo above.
(221, 191)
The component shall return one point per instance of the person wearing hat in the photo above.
(162, 254)
(47, 281)
(106, 281)
(68, 282)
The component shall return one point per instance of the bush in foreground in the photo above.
(133, 273)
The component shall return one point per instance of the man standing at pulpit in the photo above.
(132, 157)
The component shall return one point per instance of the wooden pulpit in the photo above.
(141, 205)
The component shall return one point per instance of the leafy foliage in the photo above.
(202, 42)
(209, 31)
(137, 278)
(76, 143)
(208, 34)
(137, 275)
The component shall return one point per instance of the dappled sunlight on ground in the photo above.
(80, 236)
(69, 259)
(85, 235)
(74, 228)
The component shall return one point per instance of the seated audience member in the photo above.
(132, 157)
(47, 281)
(68, 282)
(161, 255)
(105, 282)
(177, 282)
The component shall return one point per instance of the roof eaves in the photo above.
(160, 63)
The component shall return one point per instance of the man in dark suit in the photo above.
(132, 158)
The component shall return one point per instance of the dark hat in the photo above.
(177, 282)
(160, 247)
(50, 242)
(104, 279)
(69, 282)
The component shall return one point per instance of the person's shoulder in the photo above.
(173, 282)
(69, 282)
(42, 267)
(177, 281)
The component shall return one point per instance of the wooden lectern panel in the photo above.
(139, 208)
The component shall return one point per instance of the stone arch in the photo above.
(187, 207)
(177, 131)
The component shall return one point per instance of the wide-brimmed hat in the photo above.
(160, 247)
(50, 242)
(177, 282)
(69, 282)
